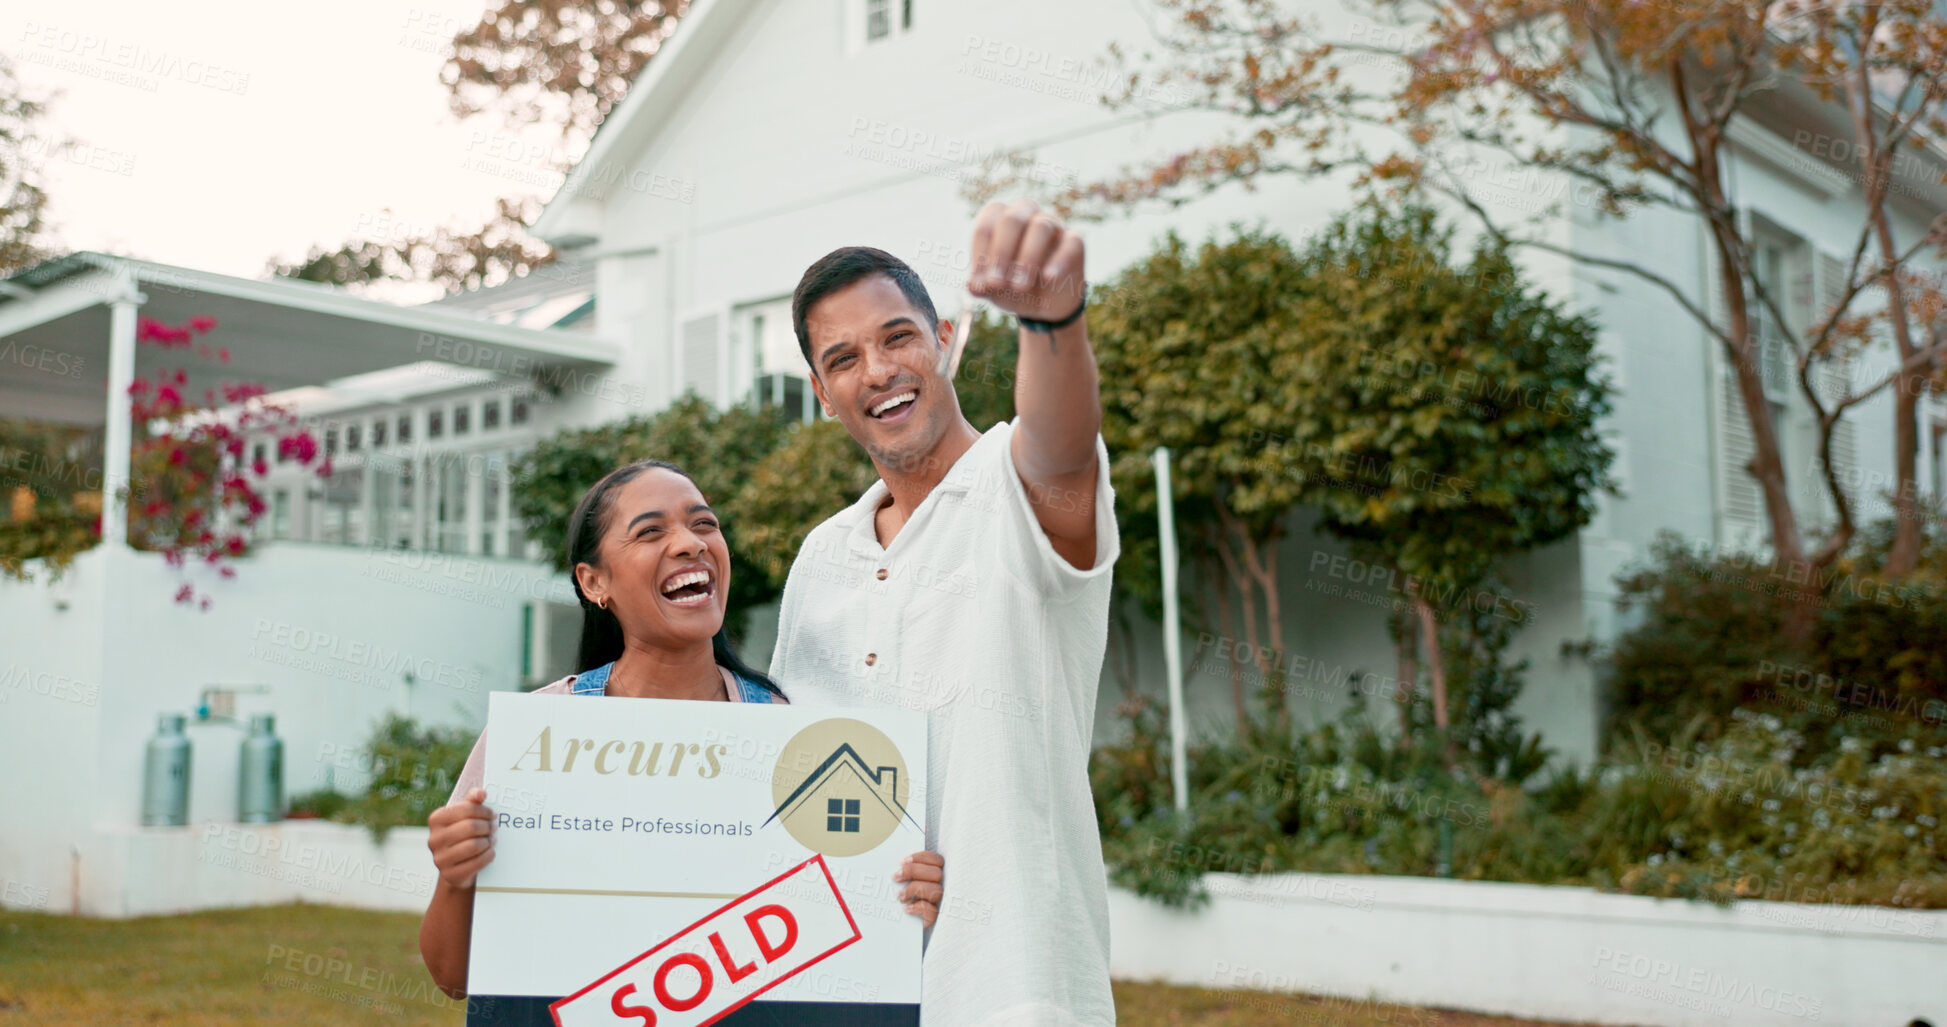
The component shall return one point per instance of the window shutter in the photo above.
(1741, 519)
(702, 343)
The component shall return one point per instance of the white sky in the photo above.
(254, 129)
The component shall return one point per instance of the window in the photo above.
(789, 393)
(462, 419)
(259, 454)
(378, 433)
(842, 815)
(490, 415)
(1774, 351)
(517, 410)
(874, 21)
(331, 440)
(351, 438)
(405, 428)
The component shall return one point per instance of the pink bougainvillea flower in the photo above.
(185, 594)
(259, 467)
(202, 323)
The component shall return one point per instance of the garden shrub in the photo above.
(1741, 815)
(1708, 643)
(414, 769)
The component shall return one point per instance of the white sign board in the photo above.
(631, 834)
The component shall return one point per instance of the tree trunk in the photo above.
(1260, 559)
(1436, 663)
(1236, 669)
(1741, 345)
(1905, 554)
(1437, 669)
(1242, 582)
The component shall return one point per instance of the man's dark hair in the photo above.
(845, 265)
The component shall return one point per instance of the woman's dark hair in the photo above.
(601, 633)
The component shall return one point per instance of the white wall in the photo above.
(51, 703)
(159, 871)
(1553, 953)
(331, 633)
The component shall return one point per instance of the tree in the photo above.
(1194, 351)
(191, 495)
(553, 60)
(817, 472)
(22, 200)
(456, 260)
(1629, 103)
(1446, 417)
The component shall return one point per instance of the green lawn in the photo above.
(324, 965)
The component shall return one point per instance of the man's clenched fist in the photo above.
(1025, 262)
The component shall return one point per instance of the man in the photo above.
(972, 582)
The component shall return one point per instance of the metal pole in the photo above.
(1172, 636)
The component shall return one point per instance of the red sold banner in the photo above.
(713, 966)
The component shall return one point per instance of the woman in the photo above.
(651, 570)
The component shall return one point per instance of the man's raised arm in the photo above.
(1028, 264)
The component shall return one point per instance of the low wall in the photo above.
(148, 871)
(1548, 952)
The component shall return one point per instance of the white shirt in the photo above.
(973, 618)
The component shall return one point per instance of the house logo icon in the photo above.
(840, 786)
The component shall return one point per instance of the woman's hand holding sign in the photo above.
(462, 839)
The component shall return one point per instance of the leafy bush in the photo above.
(413, 772)
(1709, 643)
(325, 804)
(1339, 798)
(1739, 816)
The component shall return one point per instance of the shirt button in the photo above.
(871, 658)
(882, 574)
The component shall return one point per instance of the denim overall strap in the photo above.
(593, 682)
(751, 691)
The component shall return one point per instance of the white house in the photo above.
(766, 134)
(400, 584)
(763, 135)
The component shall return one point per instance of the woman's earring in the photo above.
(602, 602)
